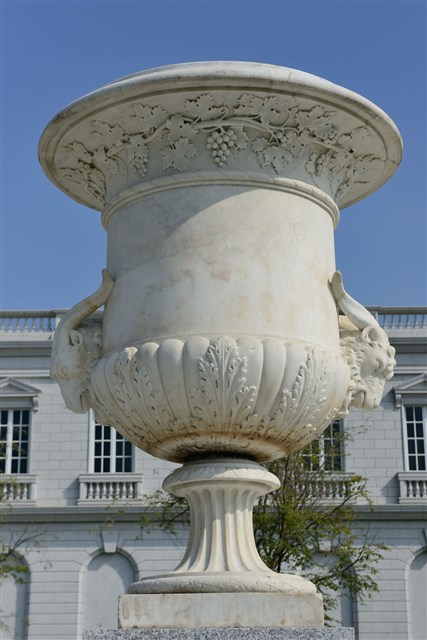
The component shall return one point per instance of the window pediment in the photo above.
(413, 391)
(13, 391)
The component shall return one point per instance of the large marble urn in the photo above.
(221, 346)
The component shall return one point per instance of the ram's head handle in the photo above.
(365, 348)
(72, 355)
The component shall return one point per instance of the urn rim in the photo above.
(211, 75)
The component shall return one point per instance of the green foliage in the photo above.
(300, 531)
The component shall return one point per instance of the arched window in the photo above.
(418, 597)
(14, 605)
(108, 576)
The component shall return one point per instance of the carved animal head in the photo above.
(371, 360)
(365, 348)
(73, 364)
(77, 347)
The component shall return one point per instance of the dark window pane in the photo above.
(411, 431)
(23, 466)
(422, 463)
(2, 449)
(128, 448)
(97, 465)
(24, 449)
(411, 446)
(14, 466)
(3, 433)
(98, 448)
(4, 417)
(107, 433)
(119, 448)
(420, 446)
(2, 465)
(16, 434)
(119, 436)
(412, 463)
(128, 465)
(418, 413)
(16, 417)
(106, 465)
(98, 432)
(420, 431)
(119, 465)
(26, 417)
(409, 413)
(107, 449)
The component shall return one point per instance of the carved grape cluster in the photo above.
(220, 143)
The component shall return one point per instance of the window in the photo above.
(112, 453)
(14, 440)
(415, 437)
(326, 452)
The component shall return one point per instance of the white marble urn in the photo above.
(220, 185)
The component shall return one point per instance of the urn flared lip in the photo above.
(226, 75)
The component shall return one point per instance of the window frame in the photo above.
(406, 438)
(10, 425)
(321, 453)
(113, 458)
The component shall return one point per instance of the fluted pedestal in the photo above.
(221, 579)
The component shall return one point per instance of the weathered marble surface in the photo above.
(300, 606)
(305, 633)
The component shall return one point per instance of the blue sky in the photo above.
(53, 249)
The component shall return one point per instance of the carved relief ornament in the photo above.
(213, 131)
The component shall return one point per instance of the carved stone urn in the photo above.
(221, 344)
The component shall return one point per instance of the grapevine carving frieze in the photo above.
(265, 126)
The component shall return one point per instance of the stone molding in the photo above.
(237, 178)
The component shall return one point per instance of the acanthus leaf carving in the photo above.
(219, 411)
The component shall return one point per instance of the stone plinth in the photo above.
(242, 633)
(200, 610)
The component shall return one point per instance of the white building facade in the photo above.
(76, 489)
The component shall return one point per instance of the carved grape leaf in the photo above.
(108, 165)
(107, 136)
(358, 141)
(177, 157)
(180, 127)
(149, 118)
(259, 144)
(204, 108)
(277, 157)
(316, 124)
(271, 110)
(79, 151)
(241, 141)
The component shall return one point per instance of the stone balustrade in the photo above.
(14, 323)
(109, 487)
(331, 487)
(413, 487)
(17, 489)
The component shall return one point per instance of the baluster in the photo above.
(424, 320)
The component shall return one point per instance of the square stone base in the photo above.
(242, 633)
(200, 610)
